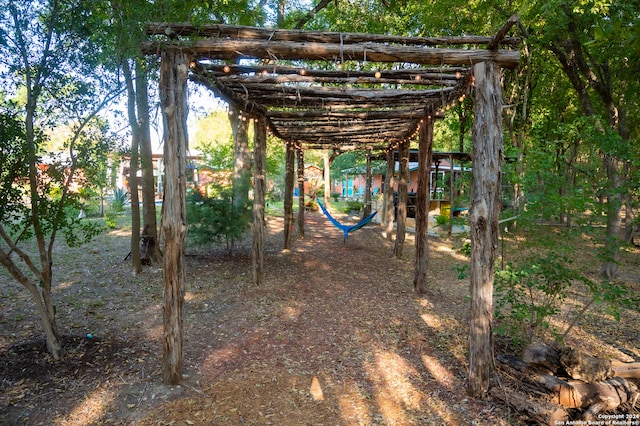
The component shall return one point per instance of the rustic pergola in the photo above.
(338, 91)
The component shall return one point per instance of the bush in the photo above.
(528, 296)
(442, 220)
(218, 219)
(110, 220)
(120, 197)
(353, 206)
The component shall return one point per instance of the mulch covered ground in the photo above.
(335, 336)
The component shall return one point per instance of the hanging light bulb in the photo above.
(378, 74)
(226, 68)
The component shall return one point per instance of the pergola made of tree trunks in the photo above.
(339, 91)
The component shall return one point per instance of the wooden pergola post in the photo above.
(367, 185)
(301, 200)
(425, 146)
(288, 194)
(451, 194)
(259, 185)
(401, 217)
(388, 195)
(485, 202)
(173, 100)
(327, 177)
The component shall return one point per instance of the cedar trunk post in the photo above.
(422, 205)
(259, 176)
(173, 95)
(367, 186)
(401, 217)
(288, 194)
(301, 200)
(451, 194)
(327, 177)
(485, 195)
(388, 196)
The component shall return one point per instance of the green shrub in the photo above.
(528, 296)
(110, 220)
(353, 206)
(442, 220)
(213, 220)
(120, 197)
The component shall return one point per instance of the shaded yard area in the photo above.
(335, 336)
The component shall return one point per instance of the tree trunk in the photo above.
(388, 196)
(614, 217)
(485, 196)
(288, 194)
(301, 199)
(574, 59)
(259, 177)
(173, 99)
(146, 163)
(241, 157)
(327, 177)
(133, 169)
(421, 262)
(401, 216)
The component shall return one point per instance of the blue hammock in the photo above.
(346, 228)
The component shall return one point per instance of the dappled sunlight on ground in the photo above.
(431, 320)
(120, 232)
(448, 249)
(437, 370)
(90, 410)
(353, 404)
(335, 336)
(391, 377)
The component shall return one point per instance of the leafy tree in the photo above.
(45, 52)
(214, 139)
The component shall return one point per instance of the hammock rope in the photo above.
(346, 228)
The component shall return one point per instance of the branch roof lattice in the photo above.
(334, 90)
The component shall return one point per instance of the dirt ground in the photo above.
(335, 336)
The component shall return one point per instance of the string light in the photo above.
(378, 74)
(458, 75)
(418, 77)
(226, 68)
